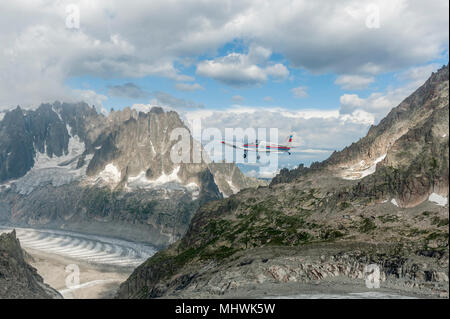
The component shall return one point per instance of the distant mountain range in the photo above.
(383, 200)
(66, 166)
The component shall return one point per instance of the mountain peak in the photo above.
(119, 167)
(412, 135)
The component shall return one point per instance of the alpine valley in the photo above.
(81, 187)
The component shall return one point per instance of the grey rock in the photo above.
(18, 280)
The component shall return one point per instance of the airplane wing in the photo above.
(233, 145)
(310, 150)
(240, 147)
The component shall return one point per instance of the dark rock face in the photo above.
(17, 152)
(228, 174)
(209, 190)
(285, 175)
(382, 217)
(24, 133)
(18, 280)
(48, 131)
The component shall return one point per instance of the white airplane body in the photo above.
(263, 146)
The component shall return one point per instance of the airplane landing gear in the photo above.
(245, 154)
(258, 157)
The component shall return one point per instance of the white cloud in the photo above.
(232, 71)
(317, 132)
(135, 39)
(360, 116)
(354, 82)
(314, 129)
(139, 107)
(268, 99)
(300, 91)
(277, 71)
(188, 87)
(129, 90)
(164, 99)
(167, 101)
(263, 172)
(309, 113)
(237, 69)
(238, 98)
(330, 39)
(90, 97)
(416, 76)
(378, 104)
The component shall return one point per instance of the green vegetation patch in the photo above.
(439, 221)
(344, 205)
(331, 234)
(388, 218)
(367, 225)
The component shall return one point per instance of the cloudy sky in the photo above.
(324, 69)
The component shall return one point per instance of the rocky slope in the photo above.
(405, 155)
(66, 166)
(412, 113)
(323, 224)
(17, 278)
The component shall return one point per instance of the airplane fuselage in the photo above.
(263, 147)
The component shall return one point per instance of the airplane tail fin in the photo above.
(289, 139)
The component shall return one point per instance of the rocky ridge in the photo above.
(410, 146)
(18, 280)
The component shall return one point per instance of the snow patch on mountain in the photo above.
(438, 199)
(172, 177)
(137, 182)
(58, 112)
(166, 181)
(141, 181)
(194, 189)
(110, 174)
(362, 169)
(75, 149)
(233, 188)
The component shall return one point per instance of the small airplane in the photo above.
(263, 146)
